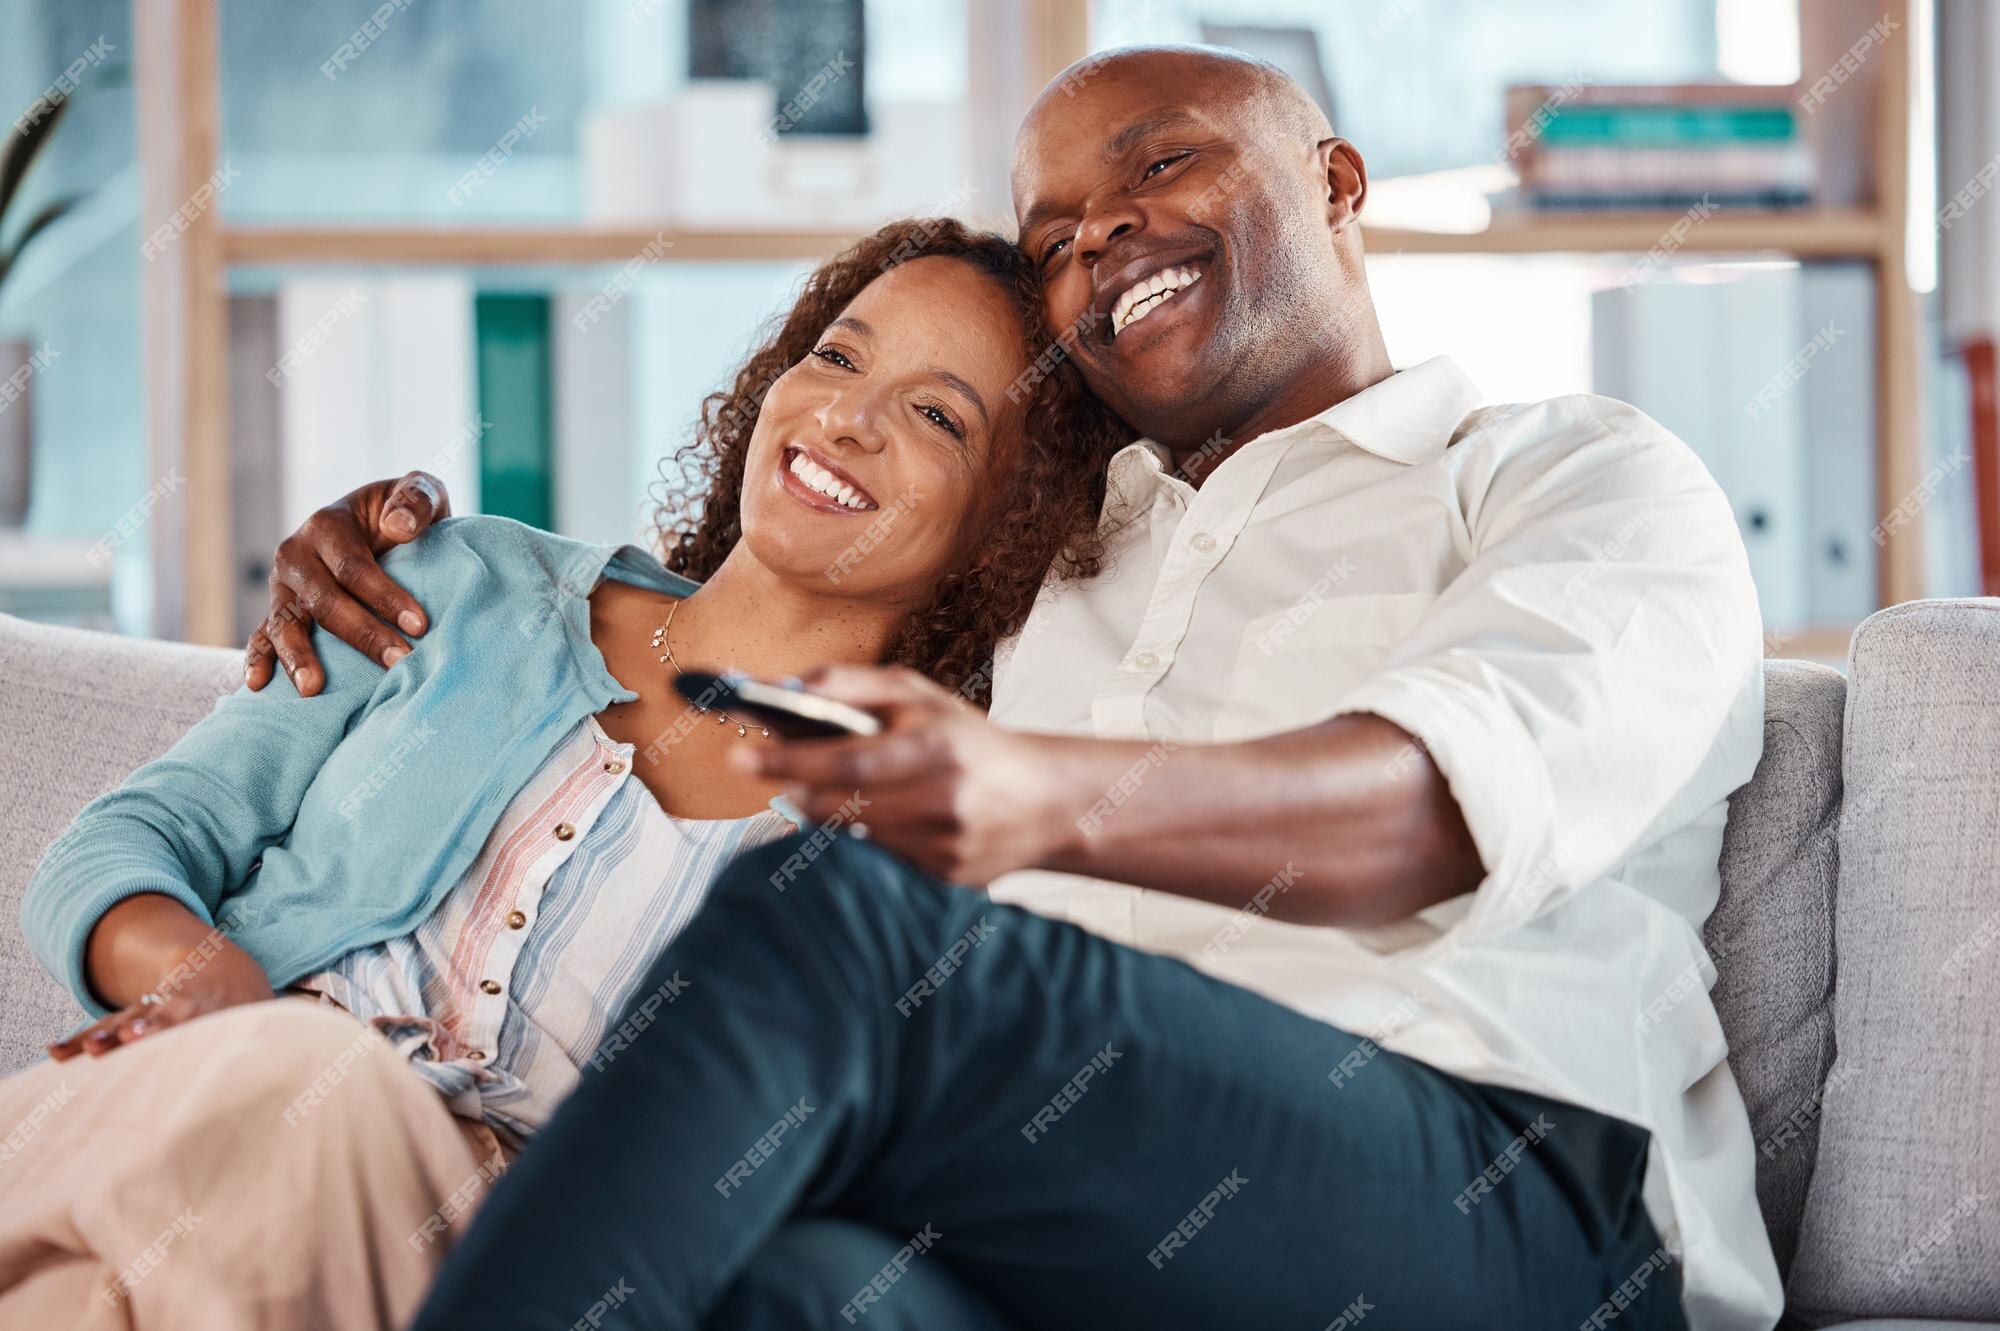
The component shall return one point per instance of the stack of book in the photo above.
(1673, 146)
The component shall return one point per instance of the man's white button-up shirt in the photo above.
(1554, 600)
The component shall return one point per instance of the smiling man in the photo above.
(1408, 725)
(1214, 304)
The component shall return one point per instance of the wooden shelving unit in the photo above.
(517, 246)
(1846, 234)
(186, 335)
(1802, 234)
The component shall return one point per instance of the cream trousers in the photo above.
(270, 1166)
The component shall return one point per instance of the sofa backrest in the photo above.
(1902, 1216)
(81, 710)
(1771, 934)
(78, 711)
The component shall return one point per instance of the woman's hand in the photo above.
(160, 965)
(229, 979)
(326, 572)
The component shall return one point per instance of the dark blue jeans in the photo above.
(876, 1100)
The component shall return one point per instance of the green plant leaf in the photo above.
(23, 145)
(51, 213)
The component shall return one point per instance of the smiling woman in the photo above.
(863, 351)
(887, 478)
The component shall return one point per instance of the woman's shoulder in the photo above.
(456, 554)
(493, 547)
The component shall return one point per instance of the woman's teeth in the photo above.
(821, 481)
(1144, 297)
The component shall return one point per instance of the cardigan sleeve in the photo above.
(190, 824)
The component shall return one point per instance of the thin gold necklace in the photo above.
(660, 644)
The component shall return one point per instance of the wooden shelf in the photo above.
(1806, 233)
(519, 246)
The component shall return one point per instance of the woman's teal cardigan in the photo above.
(306, 827)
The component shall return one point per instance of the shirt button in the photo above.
(489, 986)
(1145, 661)
(1203, 542)
(477, 1055)
(516, 920)
(564, 831)
(615, 767)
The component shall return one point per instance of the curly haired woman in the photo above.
(889, 478)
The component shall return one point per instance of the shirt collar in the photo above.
(1410, 417)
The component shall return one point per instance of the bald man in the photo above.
(1348, 845)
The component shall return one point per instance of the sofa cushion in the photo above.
(1771, 934)
(1903, 1324)
(78, 711)
(1903, 1212)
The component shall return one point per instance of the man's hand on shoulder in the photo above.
(327, 572)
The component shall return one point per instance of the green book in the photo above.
(1669, 126)
(516, 401)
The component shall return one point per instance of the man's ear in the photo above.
(1346, 177)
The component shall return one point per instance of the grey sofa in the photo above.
(1870, 838)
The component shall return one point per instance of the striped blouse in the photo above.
(501, 996)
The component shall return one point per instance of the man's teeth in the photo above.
(1142, 298)
(822, 481)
